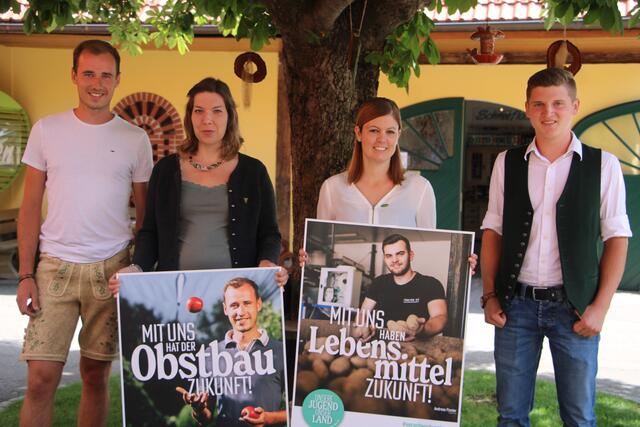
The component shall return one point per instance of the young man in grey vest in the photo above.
(549, 204)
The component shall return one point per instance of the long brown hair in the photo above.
(369, 110)
(232, 141)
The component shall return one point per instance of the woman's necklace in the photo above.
(202, 167)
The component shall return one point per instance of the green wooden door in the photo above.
(432, 138)
(617, 130)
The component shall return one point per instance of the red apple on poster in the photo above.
(250, 411)
(194, 304)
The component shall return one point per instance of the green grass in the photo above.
(66, 407)
(478, 407)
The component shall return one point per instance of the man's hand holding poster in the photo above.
(202, 348)
(381, 328)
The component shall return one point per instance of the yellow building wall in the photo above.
(39, 79)
(5, 65)
(599, 85)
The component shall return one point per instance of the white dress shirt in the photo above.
(541, 264)
(410, 204)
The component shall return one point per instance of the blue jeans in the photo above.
(517, 354)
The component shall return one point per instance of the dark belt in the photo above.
(537, 293)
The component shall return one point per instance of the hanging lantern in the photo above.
(487, 37)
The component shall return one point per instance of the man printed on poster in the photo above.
(258, 401)
(408, 303)
(385, 346)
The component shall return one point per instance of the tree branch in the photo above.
(324, 13)
(384, 16)
(285, 15)
(295, 21)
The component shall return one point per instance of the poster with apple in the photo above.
(202, 348)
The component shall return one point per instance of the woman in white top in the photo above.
(375, 188)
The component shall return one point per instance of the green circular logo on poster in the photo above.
(323, 408)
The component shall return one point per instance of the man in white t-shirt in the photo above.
(88, 160)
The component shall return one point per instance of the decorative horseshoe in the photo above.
(576, 62)
(243, 59)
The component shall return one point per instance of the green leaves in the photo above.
(635, 16)
(430, 50)
(123, 22)
(453, 6)
(45, 15)
(245, 19)
(604, 12)
(402, 49)
(169, 24)
(173, 24)
(592, 15)
(6, 5)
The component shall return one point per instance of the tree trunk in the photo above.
(322, 90)
(322, 100)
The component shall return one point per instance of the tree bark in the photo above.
(323, 91)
